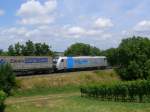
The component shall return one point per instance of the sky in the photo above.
(60, 23)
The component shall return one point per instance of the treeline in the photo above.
(42, 49)
(28, 49)
(137, 91)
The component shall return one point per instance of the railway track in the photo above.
(59, 73)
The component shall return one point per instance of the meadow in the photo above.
(61, 93)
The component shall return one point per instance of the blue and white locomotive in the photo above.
(81, 62)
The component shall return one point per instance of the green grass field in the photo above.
(40, 95)
(71, 102)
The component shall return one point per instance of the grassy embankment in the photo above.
(60, 93)
(62, 82)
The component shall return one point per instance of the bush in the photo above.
(133, 56)
(122, 91)
(131, 72)
(7, 78)
(2, 99)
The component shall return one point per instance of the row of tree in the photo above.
(42, 49)
(28, 49)
(119, 91)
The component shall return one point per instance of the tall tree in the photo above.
(112, 56)
(81, 49)
(11, 51)
(1, 52)
(29, 48)
(18, 50)
(133, 54)
(38, 49)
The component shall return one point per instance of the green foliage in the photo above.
(132, 71)
(147, 69)
(2, 99)
(11, 50)
(7, 78)
(112, 56)
(29, 49)
(120, 91)
(133, 55)
(81, 49)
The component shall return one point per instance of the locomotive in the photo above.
(81, 62)
(47, 64)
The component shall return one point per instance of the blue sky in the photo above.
(60, 23)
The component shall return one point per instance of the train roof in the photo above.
(65, 57)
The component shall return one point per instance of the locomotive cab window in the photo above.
(62, 60)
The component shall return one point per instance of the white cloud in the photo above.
(142, 28)
(103, 23)
(56, 36)
(76, 30)
(81, 32)
(34, 13)
(1, 12)
(143, 25)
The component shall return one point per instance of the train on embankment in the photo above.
(46, 64)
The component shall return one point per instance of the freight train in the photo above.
(47, 64)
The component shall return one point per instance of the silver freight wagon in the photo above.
(28, 63)
(81, 62)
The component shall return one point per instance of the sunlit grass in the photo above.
(75, 103)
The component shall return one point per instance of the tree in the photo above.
(11, 51)
(133, 54)
(1, 52)
(147, 69)
(45, 49)
(94, 51)
(18, 50)
(38, 49)
(81, 49)
(29, 48)
(111, 55)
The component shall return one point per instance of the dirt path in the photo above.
(37, 98)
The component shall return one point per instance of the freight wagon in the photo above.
(29, 64)
(81, 62)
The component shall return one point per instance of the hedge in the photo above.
(120, 91)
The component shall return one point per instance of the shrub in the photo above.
(7, 78)
(2, 99)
